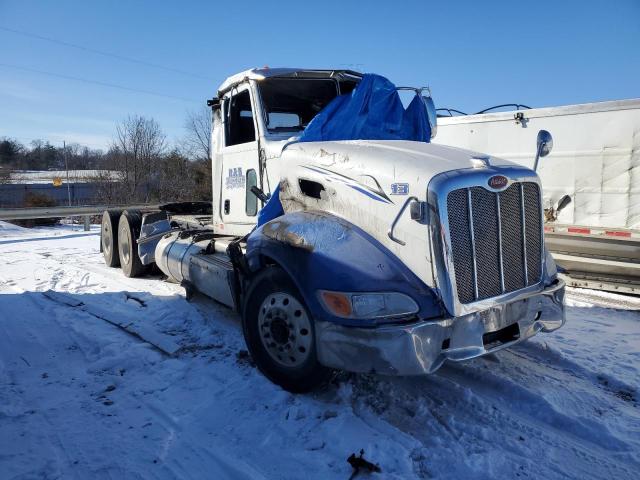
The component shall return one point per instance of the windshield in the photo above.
(291, 103)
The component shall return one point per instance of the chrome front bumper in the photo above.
(423, 347)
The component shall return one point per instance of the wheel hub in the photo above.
(123, 239)
(279, 330)
(106, 237)
(285, 329)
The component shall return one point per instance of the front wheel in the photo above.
(279, 333)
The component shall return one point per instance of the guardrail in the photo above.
(65, 212)
(601, 262)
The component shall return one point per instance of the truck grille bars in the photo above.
(496, 239)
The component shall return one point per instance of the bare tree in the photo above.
(108, 190)
(198, 140)
(137, 147)
(197, 146)
(175, 178)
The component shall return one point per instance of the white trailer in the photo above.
(595, 162)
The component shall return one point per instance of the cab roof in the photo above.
(266, 72)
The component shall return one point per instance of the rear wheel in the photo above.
(279, 332)
(109, 238)
(128, 233)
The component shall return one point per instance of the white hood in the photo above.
(367, 182)
(389, 161)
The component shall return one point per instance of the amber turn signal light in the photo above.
(338, 303)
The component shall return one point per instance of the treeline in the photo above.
(41, 155)
(139, 165)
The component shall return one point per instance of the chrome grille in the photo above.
(496, 239)
(462, 249)
(533, 226)
(512, 246)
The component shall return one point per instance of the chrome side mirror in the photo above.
(431, 113)
(544, 146)
(545, 143)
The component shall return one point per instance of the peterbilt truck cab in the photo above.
(345, 238)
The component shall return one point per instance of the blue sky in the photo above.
(473, 54)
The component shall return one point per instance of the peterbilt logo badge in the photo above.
(498, 181)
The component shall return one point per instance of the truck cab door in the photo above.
(240, 163)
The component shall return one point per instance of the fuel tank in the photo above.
(190, 261)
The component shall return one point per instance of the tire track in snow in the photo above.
(473, 400)
(45, 368)
(564, 368)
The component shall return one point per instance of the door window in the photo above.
(251, 201)
(239, 120)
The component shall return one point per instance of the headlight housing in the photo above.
(367, 305)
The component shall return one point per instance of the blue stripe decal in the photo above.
(368, 194)
(315, 170)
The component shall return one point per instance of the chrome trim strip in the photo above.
(473, 244)
(524, 235)
(500, 241)
(543, 256)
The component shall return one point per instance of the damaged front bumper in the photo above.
(423, 347)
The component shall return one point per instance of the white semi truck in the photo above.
(369, 255)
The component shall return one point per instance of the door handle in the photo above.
(227, 207)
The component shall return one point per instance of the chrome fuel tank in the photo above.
(184, 261)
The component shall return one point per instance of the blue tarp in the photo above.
(372, 111)
(272, 209)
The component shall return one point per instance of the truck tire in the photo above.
(128, 233)
(109, 238)
(279, 332)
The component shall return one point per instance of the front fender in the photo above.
(320, 251)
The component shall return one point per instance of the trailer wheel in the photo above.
(279, 332)
(128, 232)
(109, 238)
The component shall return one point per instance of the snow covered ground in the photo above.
(82, 398)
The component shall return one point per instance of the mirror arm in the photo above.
(535, 162)
(259, 193)
(213, 103)
(544, 145)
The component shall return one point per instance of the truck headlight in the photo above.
(368, 305)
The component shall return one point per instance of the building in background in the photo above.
(50, 187)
